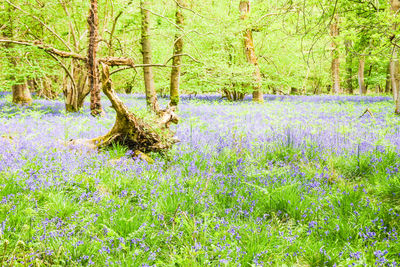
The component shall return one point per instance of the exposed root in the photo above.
(131, 131)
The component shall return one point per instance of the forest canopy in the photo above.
(294, 43)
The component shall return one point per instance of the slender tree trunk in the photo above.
(151, 94)
(394, 73)
(20, 91)
(395, 79)
(75, 85)
(334, 32)
(394, 62)
(388, 85)
(92, 64)
(361, 69)
(177, 58)
(244, 8)
(349, 68)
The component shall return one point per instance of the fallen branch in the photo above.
(367, 111)
(131, 131)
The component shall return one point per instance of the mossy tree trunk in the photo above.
(177, 56)
(21, 94)
(150, 89)
(92, 64)
(131, 131)
(244, 8)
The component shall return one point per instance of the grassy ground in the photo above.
(294, 181)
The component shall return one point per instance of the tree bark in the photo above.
(395, 79)
(92, 65)
(361, 80)
(20, 91)
(131, 131)
(335, 66)
(76, 88)
(21, 94)
(151, 94)
(394, 62)
(388, 84)
(349, 68)
(177, 57)
(244, 8)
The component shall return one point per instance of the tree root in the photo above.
(129, 130)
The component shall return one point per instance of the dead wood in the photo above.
(365, 112)
(131, 131)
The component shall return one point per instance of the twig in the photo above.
(191, 10)
(121, 69)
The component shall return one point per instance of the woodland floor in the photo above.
(297, 181)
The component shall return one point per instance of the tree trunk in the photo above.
(92, 65)
(361, 69)
(76, 88)
(21, 94)
(244, 8)
(388, 84)
(334, 32)
(177, 58)
(394, 62)
(349, 68)
(20, 91)
(151, 94)
(131, 131)
(395, 79)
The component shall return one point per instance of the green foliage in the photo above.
(291, 40)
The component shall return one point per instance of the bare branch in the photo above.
(179, 55)
(191, 10)
(47, 49)
(121, 69)
(161, 16)
(112, 33)
(71, 28)
(65, 68)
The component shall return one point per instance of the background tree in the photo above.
(177, 54)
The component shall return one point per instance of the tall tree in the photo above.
(75, 82)
(361, 81)
(394, 62)
(177, 56)
(92, 64)
(244, 8)
(349, 67)
(335, 65)
(151, 94)
(20, 90)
